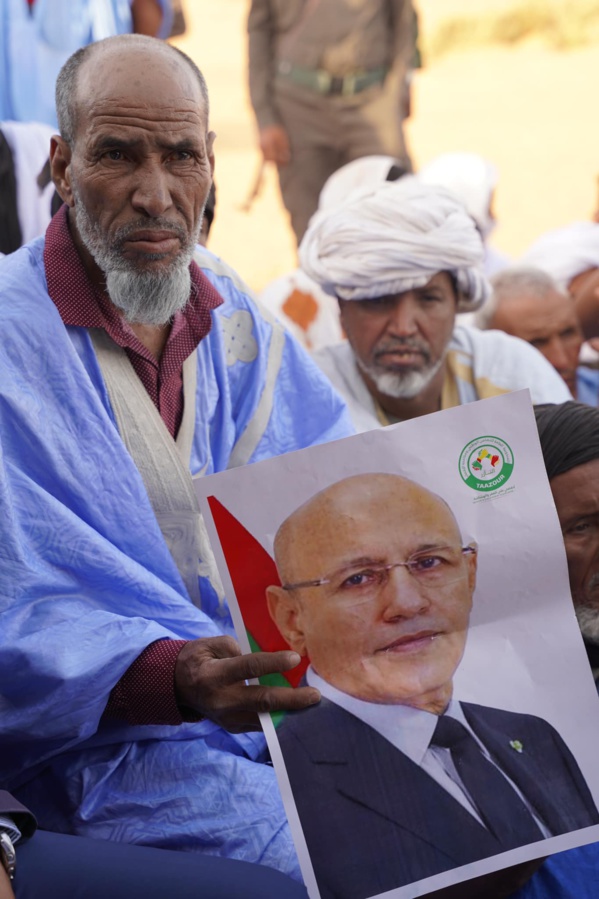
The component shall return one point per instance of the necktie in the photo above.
(496, 801)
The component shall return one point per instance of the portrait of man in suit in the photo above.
(394, 779)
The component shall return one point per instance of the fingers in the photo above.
(256, 664)
(280, 699)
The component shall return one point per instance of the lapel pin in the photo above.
(517, 745)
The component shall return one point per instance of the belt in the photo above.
(323, 82)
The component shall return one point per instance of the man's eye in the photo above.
(430, 298)
(378, 304)
(426, 564)
(581, 527)
(360, 579)
(114, 155)
(182, 156)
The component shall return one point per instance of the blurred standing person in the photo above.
(38, 36)
(329, 84)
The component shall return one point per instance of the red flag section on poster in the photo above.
(252, 570)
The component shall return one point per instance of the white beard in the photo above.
(588, 622)
(144, 297)
(401, 385)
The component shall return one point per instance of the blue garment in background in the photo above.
(87, 581)
(36, 42)
(587, 385)
(568, 875)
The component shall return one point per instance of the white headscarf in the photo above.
(368, 171)
(566, 252)
(471, 178)
(392, 238)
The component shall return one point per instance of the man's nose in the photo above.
(403, 318)
(152, 194)
(557, 354)
(401, 595)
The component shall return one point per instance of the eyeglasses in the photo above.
(433, 568)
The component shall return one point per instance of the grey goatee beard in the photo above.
(588, 622)
(144, 297)
(403, 385)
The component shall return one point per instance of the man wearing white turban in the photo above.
(402, 259)
(571, 256)
(473, 179)
(308, 312)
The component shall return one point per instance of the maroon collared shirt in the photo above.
(145, 694)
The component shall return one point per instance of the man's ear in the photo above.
(284, 612)
(60, 167)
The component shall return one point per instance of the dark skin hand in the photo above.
(210, 676)
(5, 887)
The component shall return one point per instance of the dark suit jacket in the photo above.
(374, 820)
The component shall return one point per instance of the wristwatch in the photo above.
(8, 856)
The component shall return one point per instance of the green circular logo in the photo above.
(486, 463)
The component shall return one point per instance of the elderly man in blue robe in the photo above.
(133, 362)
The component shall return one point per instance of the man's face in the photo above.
(392, 639)
(550, 324)
(576, 496)
(140, 169)
(400, 341)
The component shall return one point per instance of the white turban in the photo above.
(393, 238)
(368, 171)
(566, 252)
(471, 178)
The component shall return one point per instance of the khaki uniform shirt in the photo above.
(340, 36)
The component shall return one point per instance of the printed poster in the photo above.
(419, 572)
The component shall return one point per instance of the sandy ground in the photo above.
(528, 109)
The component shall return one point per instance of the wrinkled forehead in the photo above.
(547, 314)
(138, 83)
(383, 521)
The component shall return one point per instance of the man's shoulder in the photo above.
(23, 282)
(318, 728)
(24, 265)
(505, 720)
(507, 363)
(232, 288)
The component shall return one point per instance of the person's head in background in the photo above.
(473, 180)
(569, 435)
(402, 259)
(571, 256)
(526, 303)
(366, 172)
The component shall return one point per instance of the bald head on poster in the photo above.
(394, 780)
(381, 610)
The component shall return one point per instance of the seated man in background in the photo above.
(527, 303)
(571, 256)
(305, 309)
(473, 180)
(126, 369)
(569, 435)
(403, 259)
